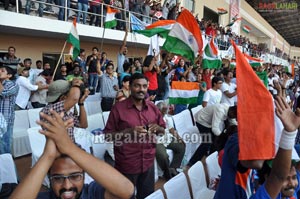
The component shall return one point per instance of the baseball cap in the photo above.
(56, 89)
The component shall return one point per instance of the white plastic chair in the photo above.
(177, 187)
(213, 167)
(21, 145)
(158, 194)
(37, 144)
(8, 172)
(95, 121)
(183, 123)
(105, 116)
(33, 116)
(92, 107)
(198, 182)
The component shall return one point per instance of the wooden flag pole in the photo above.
(62, 51)
(102, 39)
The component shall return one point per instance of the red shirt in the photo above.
(152, 77)
(207, 79)
(132, 156)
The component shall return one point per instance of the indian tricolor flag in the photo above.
(255, 113)
(161, 27)
(211, 59)
(254, 62)
(185, 38)
(110, 20)
(246, 29)
(73, 39)
(184, 92)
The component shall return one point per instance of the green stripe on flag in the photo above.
(110, 24)
(216, 63)
(181, 100)
(176, 46)
(150, 32)
(76, 45)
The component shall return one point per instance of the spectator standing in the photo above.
(228, 89)
(25, 89)
(213, 95)
(10, 59)
(82, 9)
(131, 120)
(8, 93)
(38, 99)
(109, 88)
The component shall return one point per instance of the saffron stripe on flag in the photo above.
(255, 113)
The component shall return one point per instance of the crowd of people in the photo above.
(128, 90)
(140, 129)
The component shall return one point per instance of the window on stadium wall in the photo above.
(52, 59)
(209, 14)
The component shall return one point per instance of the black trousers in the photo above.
(143, 182)
(107, 103)
(205, 148)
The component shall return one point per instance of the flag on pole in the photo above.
(110, 19)
(185, 38)
(161, 27)
(73, 39)
(234, 19)
(255, 113)
(184, 92)
(211, 59)
(222, 11)
(246, 29)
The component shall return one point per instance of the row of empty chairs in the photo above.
(190, 185)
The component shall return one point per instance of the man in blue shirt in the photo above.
(236, 175)
(65, 164)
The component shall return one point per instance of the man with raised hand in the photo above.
(65, 164)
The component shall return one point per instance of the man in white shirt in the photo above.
(214, 94)
(25, 88)
(228, 89)
(211, 122)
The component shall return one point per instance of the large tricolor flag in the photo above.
(73, 39)
(110, 20)
(161, 27)
(211, 59)
(255, 113)
(185, 38)
(184, 92)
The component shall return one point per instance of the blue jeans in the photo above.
(28, 7)
(82, 7)
(61, 13)
(6, 140)
(93, 80)
(95, 10)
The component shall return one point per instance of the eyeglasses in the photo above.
(59, 179)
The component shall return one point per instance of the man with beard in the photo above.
(76, 74)
(66, 163)
(133, 124)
